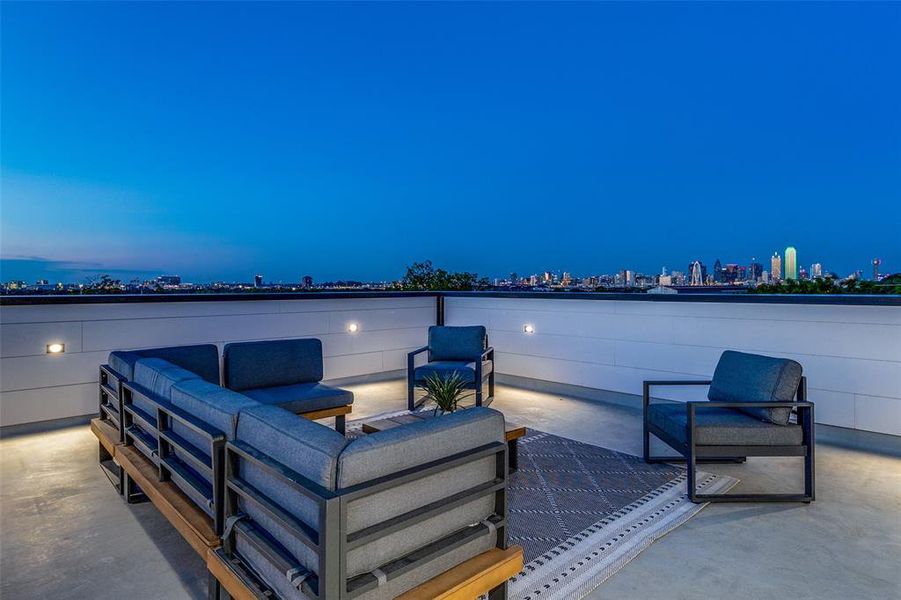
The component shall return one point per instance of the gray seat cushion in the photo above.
(466, 371)
(302, 397)
(202, 359)
(303, 446)
(457, 343)
(393, 450)
(722, 427)
(742, 377)
(254, 365)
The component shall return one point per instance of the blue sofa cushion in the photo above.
(202, 359)
(722, 426)
(302, 397)
(310, 449)
(159, 376)
(446, 368)
(254, 365)
(394, 450)
(214, 405)
(742, 377)
(457, 343)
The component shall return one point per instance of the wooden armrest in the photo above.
(478, 575)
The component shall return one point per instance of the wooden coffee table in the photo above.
(512, 432)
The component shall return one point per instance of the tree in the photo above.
(422, 276)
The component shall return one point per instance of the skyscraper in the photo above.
(717, 271)
(755, 271)
(697, 273)
(816, 270)
(257, 281)
(791, 263)
(776, 267)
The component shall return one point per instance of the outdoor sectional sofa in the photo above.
(281, 506)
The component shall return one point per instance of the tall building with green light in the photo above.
(791, 263)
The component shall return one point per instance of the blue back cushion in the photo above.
(742, 377)
(252, 365)
(303, 446)
(202, 359)
(457, 343)
(214, 405)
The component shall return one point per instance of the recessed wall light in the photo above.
(528, 328)
(56, 348)
(353, 327)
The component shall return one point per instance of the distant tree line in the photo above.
(425, 277)
(828, 285)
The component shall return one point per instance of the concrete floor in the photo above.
(64, 533)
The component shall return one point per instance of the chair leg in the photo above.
(691, 467)
(340, 423)
(479, 394)
(411, 401)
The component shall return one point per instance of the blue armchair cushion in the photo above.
(722, 426)
(446, 368)
(302, 397)
(202, 359)
(309, 449)
(742, 377)
(254, 365)
(457, 343)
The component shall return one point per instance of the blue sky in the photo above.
(348, 140)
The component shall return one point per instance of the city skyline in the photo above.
(696, 273)
(587, 136)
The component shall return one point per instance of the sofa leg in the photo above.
(340, 424)
(213, 587)
(498, 593)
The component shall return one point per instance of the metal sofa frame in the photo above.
(332, 542)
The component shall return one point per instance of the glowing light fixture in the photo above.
(56, 348)
(353, 327)
(528, 328)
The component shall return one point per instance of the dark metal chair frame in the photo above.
(478, 383)
(692, 453)
(206, 496)
(331, 543)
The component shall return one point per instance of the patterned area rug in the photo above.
(582, 512)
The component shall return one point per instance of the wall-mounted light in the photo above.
(56, 348)
(528, 328)
(353, 327)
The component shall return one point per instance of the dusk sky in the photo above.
(344, 140)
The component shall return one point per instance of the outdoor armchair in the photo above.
(750, 403)
(461, 351)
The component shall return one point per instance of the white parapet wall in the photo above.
(37, 386)
(851, 354)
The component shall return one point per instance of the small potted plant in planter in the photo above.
(445, 391)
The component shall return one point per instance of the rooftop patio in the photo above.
(575, 372)
(65, 531)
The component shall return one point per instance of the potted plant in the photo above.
(446, 392)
